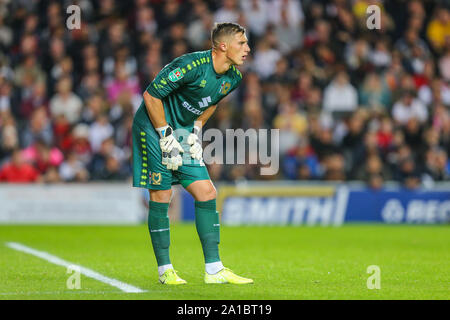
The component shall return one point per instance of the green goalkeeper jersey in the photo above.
(187, 87)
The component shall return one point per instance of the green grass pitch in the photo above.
(285, 262)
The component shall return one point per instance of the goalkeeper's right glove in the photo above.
(193, 140)
(170, 148)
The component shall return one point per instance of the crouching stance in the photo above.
(168, 151)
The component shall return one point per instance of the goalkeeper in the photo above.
(180, 100)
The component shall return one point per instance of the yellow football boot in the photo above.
(170, 277)
(226, 276)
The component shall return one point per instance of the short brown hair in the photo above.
(224, 29)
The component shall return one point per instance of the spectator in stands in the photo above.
(266, 58)
(340, 95)
(409, 107)
(436, 165)
(17, 171)
(301, 163)
(73, 170)
(36, 99)
(65, 102)
(288, 18)
(6, 96)
(334, 167)
(373, 166)
(374, 93)
(257, 14)
(228, 12)
(38, 127)
(122, 82)
(42, 157)
(439, 28)
(385, 135)
(100, 130)
(9, 137)
(444, 63)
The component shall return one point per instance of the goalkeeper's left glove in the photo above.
(193, 140)
(170, 148)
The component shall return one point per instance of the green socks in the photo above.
(158, 226)
(207, 224)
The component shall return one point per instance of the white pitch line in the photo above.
(85, 271)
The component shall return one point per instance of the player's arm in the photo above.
(169, 79)
(169, 145)
(201, 120)
(155, 110)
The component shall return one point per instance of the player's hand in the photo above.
(172, 160)
(193, 140)
(168, 142)
(170, 148)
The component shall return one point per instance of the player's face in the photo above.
(238, 49)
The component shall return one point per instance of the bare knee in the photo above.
(202, 190)
(206, 193)
(160, 195)
(210, 194)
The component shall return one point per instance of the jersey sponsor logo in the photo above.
(176, 75)
(205, 102)
(191, 108)
(225, 87)
(156, 178)
(203, 83)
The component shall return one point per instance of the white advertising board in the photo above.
(71, 204)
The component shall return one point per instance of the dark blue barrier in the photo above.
(403, 206)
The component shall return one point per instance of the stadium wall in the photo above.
(252, 203)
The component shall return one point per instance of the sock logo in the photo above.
(160, 230)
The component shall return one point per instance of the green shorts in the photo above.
(149, 172)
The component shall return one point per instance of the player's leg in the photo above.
(207, 222)
(159, 229)
(208, 229)
(148, 172)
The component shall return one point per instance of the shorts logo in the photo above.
(176, 75)
(225, 87)
(156, 178)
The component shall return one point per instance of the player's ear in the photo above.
(223, 46)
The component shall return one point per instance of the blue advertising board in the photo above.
(293, 205)
(402, 206)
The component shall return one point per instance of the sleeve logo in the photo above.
(176, 75)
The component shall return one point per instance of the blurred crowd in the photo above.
(351, 103)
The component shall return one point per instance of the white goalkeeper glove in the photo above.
(170, 148)
(193, 140)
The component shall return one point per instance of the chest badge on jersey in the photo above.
(225, 87)
(176, 75)
(203, 83)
